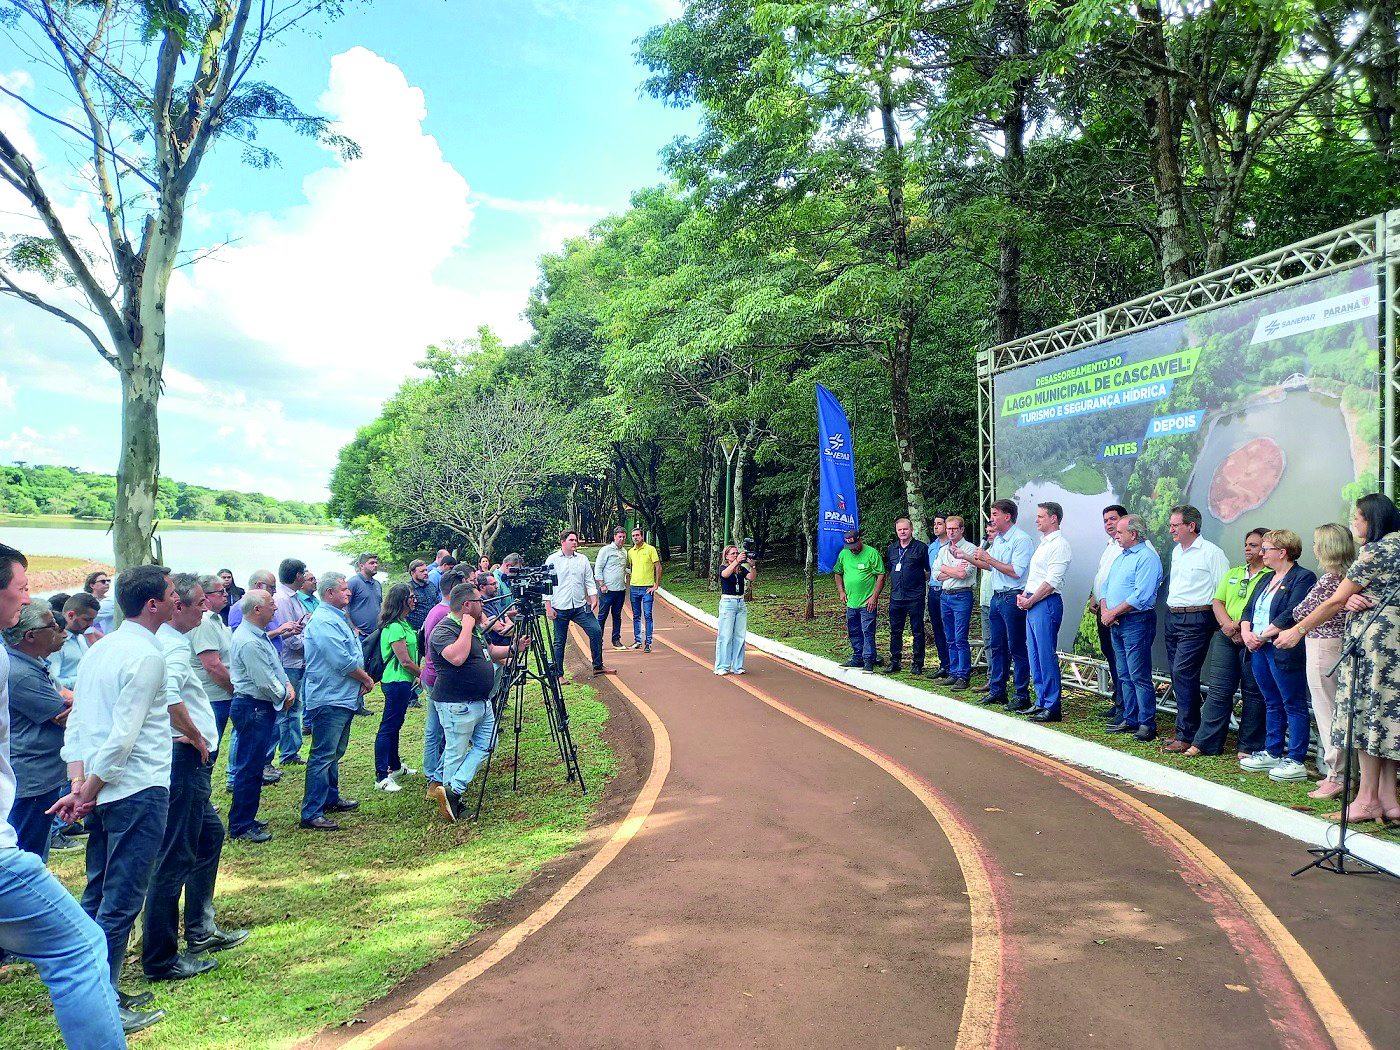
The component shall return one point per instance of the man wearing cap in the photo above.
(860, 577)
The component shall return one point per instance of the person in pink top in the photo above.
(432, 730)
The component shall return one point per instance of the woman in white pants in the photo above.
(738, 572)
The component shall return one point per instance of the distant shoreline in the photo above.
(40, 521)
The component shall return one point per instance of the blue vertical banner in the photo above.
(836, 505)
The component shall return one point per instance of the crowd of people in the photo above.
(112, 733)
(1268, 630)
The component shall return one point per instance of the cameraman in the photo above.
(574, 599)
(738, 573)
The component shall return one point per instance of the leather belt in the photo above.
(1190, 609)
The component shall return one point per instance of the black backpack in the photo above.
(373, 654)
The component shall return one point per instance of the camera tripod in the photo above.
(534, 663)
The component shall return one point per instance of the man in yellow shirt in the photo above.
(644, 576)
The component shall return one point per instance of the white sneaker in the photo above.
(1289, 770)
(403, 771)
(1259, 762)
(738, 670)
(722, 671)
(388, 784)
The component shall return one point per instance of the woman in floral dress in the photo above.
(1369, 683)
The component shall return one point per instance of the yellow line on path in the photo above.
(425, 1001)
(977, 1030)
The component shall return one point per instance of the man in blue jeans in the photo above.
(610, 574)
(260, 689)
(643, 578)
(1044, 607)
(335, 680)
(39, 920)
(465, 677)
(1007, 561)
(860, 576)
(957, 580)
(1129, 610)
(574, 599)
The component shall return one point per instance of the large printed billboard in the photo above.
(1261, 412)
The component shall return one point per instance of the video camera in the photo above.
(534, 580)
(750, 548)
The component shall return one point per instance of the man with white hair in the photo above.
(335, 681)
(37, 717)
(260, 688)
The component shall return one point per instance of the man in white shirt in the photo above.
(117, 745)
(957, 579)
(574, 600)
(1197, 568)
(194, 836)
(1044, 607)
(1007, 562)
(39, 920)
(610, 574)
(1111, 514)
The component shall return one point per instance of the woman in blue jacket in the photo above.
(1281, 673)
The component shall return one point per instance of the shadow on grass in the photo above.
(340, 918)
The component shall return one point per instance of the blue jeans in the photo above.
(386, 741)
(254, 721)
(1042, 630)
(611, 604)
(32, 825)
(860, 628)
(641, 608)
(432, 742)
(1132, 652)
(956, 608)
(1006, 643)
(469, 729)
(186, 865)
(124, 838)
(584, 617)
(733, 628)
(1230, 667)
(1286, 702)
(221, 718)
(940, 633)
(287, 731)
(912, 610)
(41, 922)
(330, 736)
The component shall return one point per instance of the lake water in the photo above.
(188, 550)
(1312, 433)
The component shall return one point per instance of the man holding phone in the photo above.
(286, 734)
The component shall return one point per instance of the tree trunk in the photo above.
(715, 538)
(741, 456)
(138, 468)
(809, 568)
(1013, 168)
(1162, 110)
(902, 353)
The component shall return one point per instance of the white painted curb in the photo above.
(1137, 771)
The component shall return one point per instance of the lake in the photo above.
(1310, 429)
(188, 550)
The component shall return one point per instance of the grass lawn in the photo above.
(776, 612)
(339, 918)
(54, 563)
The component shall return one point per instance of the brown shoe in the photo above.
(437, 793)
(983, 688)
(429, 795)
(1192, 752)
(1175, 747)
(603, 670)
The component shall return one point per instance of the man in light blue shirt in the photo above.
(1007, 562)
(260, 689)
(335, 681)
(79, 612)
(1128, 610)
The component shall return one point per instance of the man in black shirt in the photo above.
(461, 695)
(907, 563)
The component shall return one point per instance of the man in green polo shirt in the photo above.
(860, 577)
(1228, 666)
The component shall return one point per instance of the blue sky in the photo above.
(491, 132)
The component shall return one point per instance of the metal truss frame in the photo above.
(1374, 241)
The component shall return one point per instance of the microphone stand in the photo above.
(1335, 858)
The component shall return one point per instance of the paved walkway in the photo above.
(817, 868)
